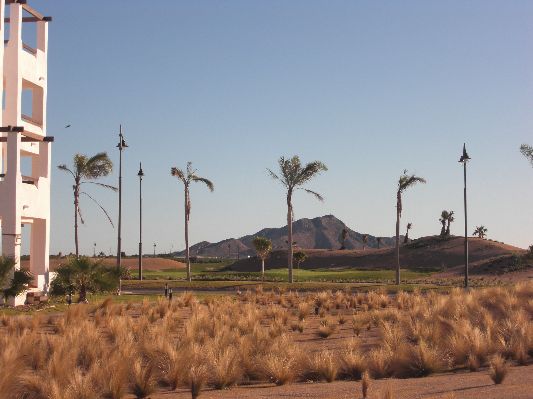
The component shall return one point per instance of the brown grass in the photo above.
(365, 385)
(109, 350)
(498, 369)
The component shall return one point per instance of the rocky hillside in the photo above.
(318, 233)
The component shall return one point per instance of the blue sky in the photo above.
(370, 88)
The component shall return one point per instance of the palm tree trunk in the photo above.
(263, 269)
(76, 205)
(289, 236)
(83, 294)
(187, 212)
(398, 210)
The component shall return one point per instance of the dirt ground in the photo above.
(460, 385)
(425, 253)
(131, 263)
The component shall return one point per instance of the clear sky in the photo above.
(370, 88)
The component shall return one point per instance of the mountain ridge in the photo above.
(317, 233)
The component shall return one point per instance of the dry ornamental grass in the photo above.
(109, 350)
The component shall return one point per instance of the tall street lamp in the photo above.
(121, 145)
(140, 174)
(464, 160)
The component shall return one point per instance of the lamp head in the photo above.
(121, 142)
(141, 173)
(464, 158)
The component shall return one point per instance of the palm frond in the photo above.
(101, 207)
(317, 195)
(97, 166)
(176, 172)
(292, 174)
(207, 182)
(527, 151)
(100, 184)
(310, 170)
(65, 168)
(275, 176)
(80, 162)
(407, 181)
(190, 170)
(81, 216)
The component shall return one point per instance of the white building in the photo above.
(25, 199)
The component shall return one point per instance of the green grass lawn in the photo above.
(203, 272)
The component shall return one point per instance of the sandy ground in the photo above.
(460, 385)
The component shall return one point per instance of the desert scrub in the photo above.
(321, 366)
(326, 328)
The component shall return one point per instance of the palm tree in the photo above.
(342, 237)
(83, 275)
(364, 239)
(379, 241)
(406, 238)
(527, 151)
(187, 177)
(294, 176)
(263, 247)
(480, 231)
(443, 218)
(404, 182)
(84, 171)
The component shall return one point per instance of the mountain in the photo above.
(318, 233)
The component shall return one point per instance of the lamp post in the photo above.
(140, 174)
(121, 145)
(464, 160)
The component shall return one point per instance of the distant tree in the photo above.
(85, 171)
(404, 182)
(187, 177)
(446, 218)
(406, 238)
(480, 231)
(263, 247)
(293, 176)
(443, 219)
(451, 219)
(342, 238)
(379, 239)
(364, 239)
(299, 258)
(527, 151)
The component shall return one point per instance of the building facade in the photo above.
(26, 148)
